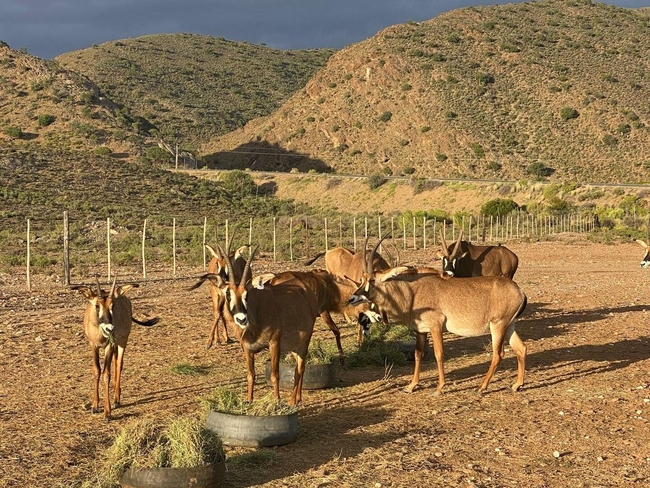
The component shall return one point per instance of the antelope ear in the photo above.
(462, 256)
(212, 251)
(260, 280)
(641, 243)
(380, 277)
(87, 292)
(439, 255)
(215, 279)
(355, 283)
(123, 290)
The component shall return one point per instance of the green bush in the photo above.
(385, 117)
(539, 170)
(13, 131)
(103, 151)
(568, 113)
(375, 181)
(157, 154)
(479, 152)
(45, 119)
(499, 206)
(239, 184)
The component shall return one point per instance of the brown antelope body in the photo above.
(429, 304)
(464, 259)
(107, 325)
(346, 264)
(331, 293)
(217, 265)
(279, 317)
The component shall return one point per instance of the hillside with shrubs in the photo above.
(550, 89)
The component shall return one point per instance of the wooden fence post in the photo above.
(108, 246)
(424, 232)
(404, 231)
(205, 229)
(354, 232)
(414, 241)
(66, 249)
(379, 231)
(144, 235)
(326, 243)
(250, 233)
(29, 281)
(291, 239)
(274, 237)
(174, 245)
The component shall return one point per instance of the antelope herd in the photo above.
(473, 294)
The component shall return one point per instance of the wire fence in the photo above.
(82, 249)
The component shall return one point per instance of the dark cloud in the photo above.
(47, 28)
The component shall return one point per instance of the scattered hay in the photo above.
(320, 352)
(189, 369)
(377, 349)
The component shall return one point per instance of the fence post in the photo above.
(291, 239)
(144, 234)
(414, 241)
(174, 245)
(29, 281)
(424, 232)
(205, 229)
(354, 233)
(404, 231)
(66, 250)
(435, 236)
(108, 246)
(379, 231)
(250, 233)
(326, 246)
(274, 232)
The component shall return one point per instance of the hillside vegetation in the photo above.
(553, 88)
(195, 87)
(46, 106)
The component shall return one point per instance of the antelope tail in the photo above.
(523, 306)
(147, 323)
(313, 260)
(202, 280)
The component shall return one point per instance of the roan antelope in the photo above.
(332, 294)
(645, 262)
(217, 265)
(279, 316)
(428, 303)
(464, 259)
(107, 325)
(346, 264)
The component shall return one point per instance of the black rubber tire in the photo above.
(253, 431)
(316, 377)
(208, 476)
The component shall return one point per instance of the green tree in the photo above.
(239, 184)
(499, 206)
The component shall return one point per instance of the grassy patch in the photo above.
(190, 369)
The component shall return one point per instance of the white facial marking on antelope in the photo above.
(645, 262)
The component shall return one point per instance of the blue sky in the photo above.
(47, 28)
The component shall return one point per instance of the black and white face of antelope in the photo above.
(450, 257)
(368, 317)
(237, 305)
(645, 262)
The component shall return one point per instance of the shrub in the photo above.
(311, 119)
(539, 170)
(103, 151)
(45, 119)
(568, 113)
(375, 181)
(499, 206)
(609, 140)
(157, 154)
(408, 170)
(479, 152)
(484, 78)
(239, 184)
(494, 166)
(13, 131)
(449, 115)
(425, 128)
(385, 117)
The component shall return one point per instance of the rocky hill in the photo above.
(45, 105)
(195, 87)
(550, 89)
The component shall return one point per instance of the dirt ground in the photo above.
(581, 419)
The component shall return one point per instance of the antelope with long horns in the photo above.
(107, 325)
(217, 265)
(279, 317)
(429, 304)
(346, 264)
(464, 259)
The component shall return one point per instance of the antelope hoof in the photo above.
(208, 346)
(516, 388)
(410, 388)
(230, 341)
(116, 405)
(437, 393)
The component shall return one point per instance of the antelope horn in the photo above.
(229, 243)
(229, 267)
(215, 252)
(444, 245)
(113, 287)
(372, 255)
(363, 258)
(460, 236)
(247, 268)
(99, 288)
